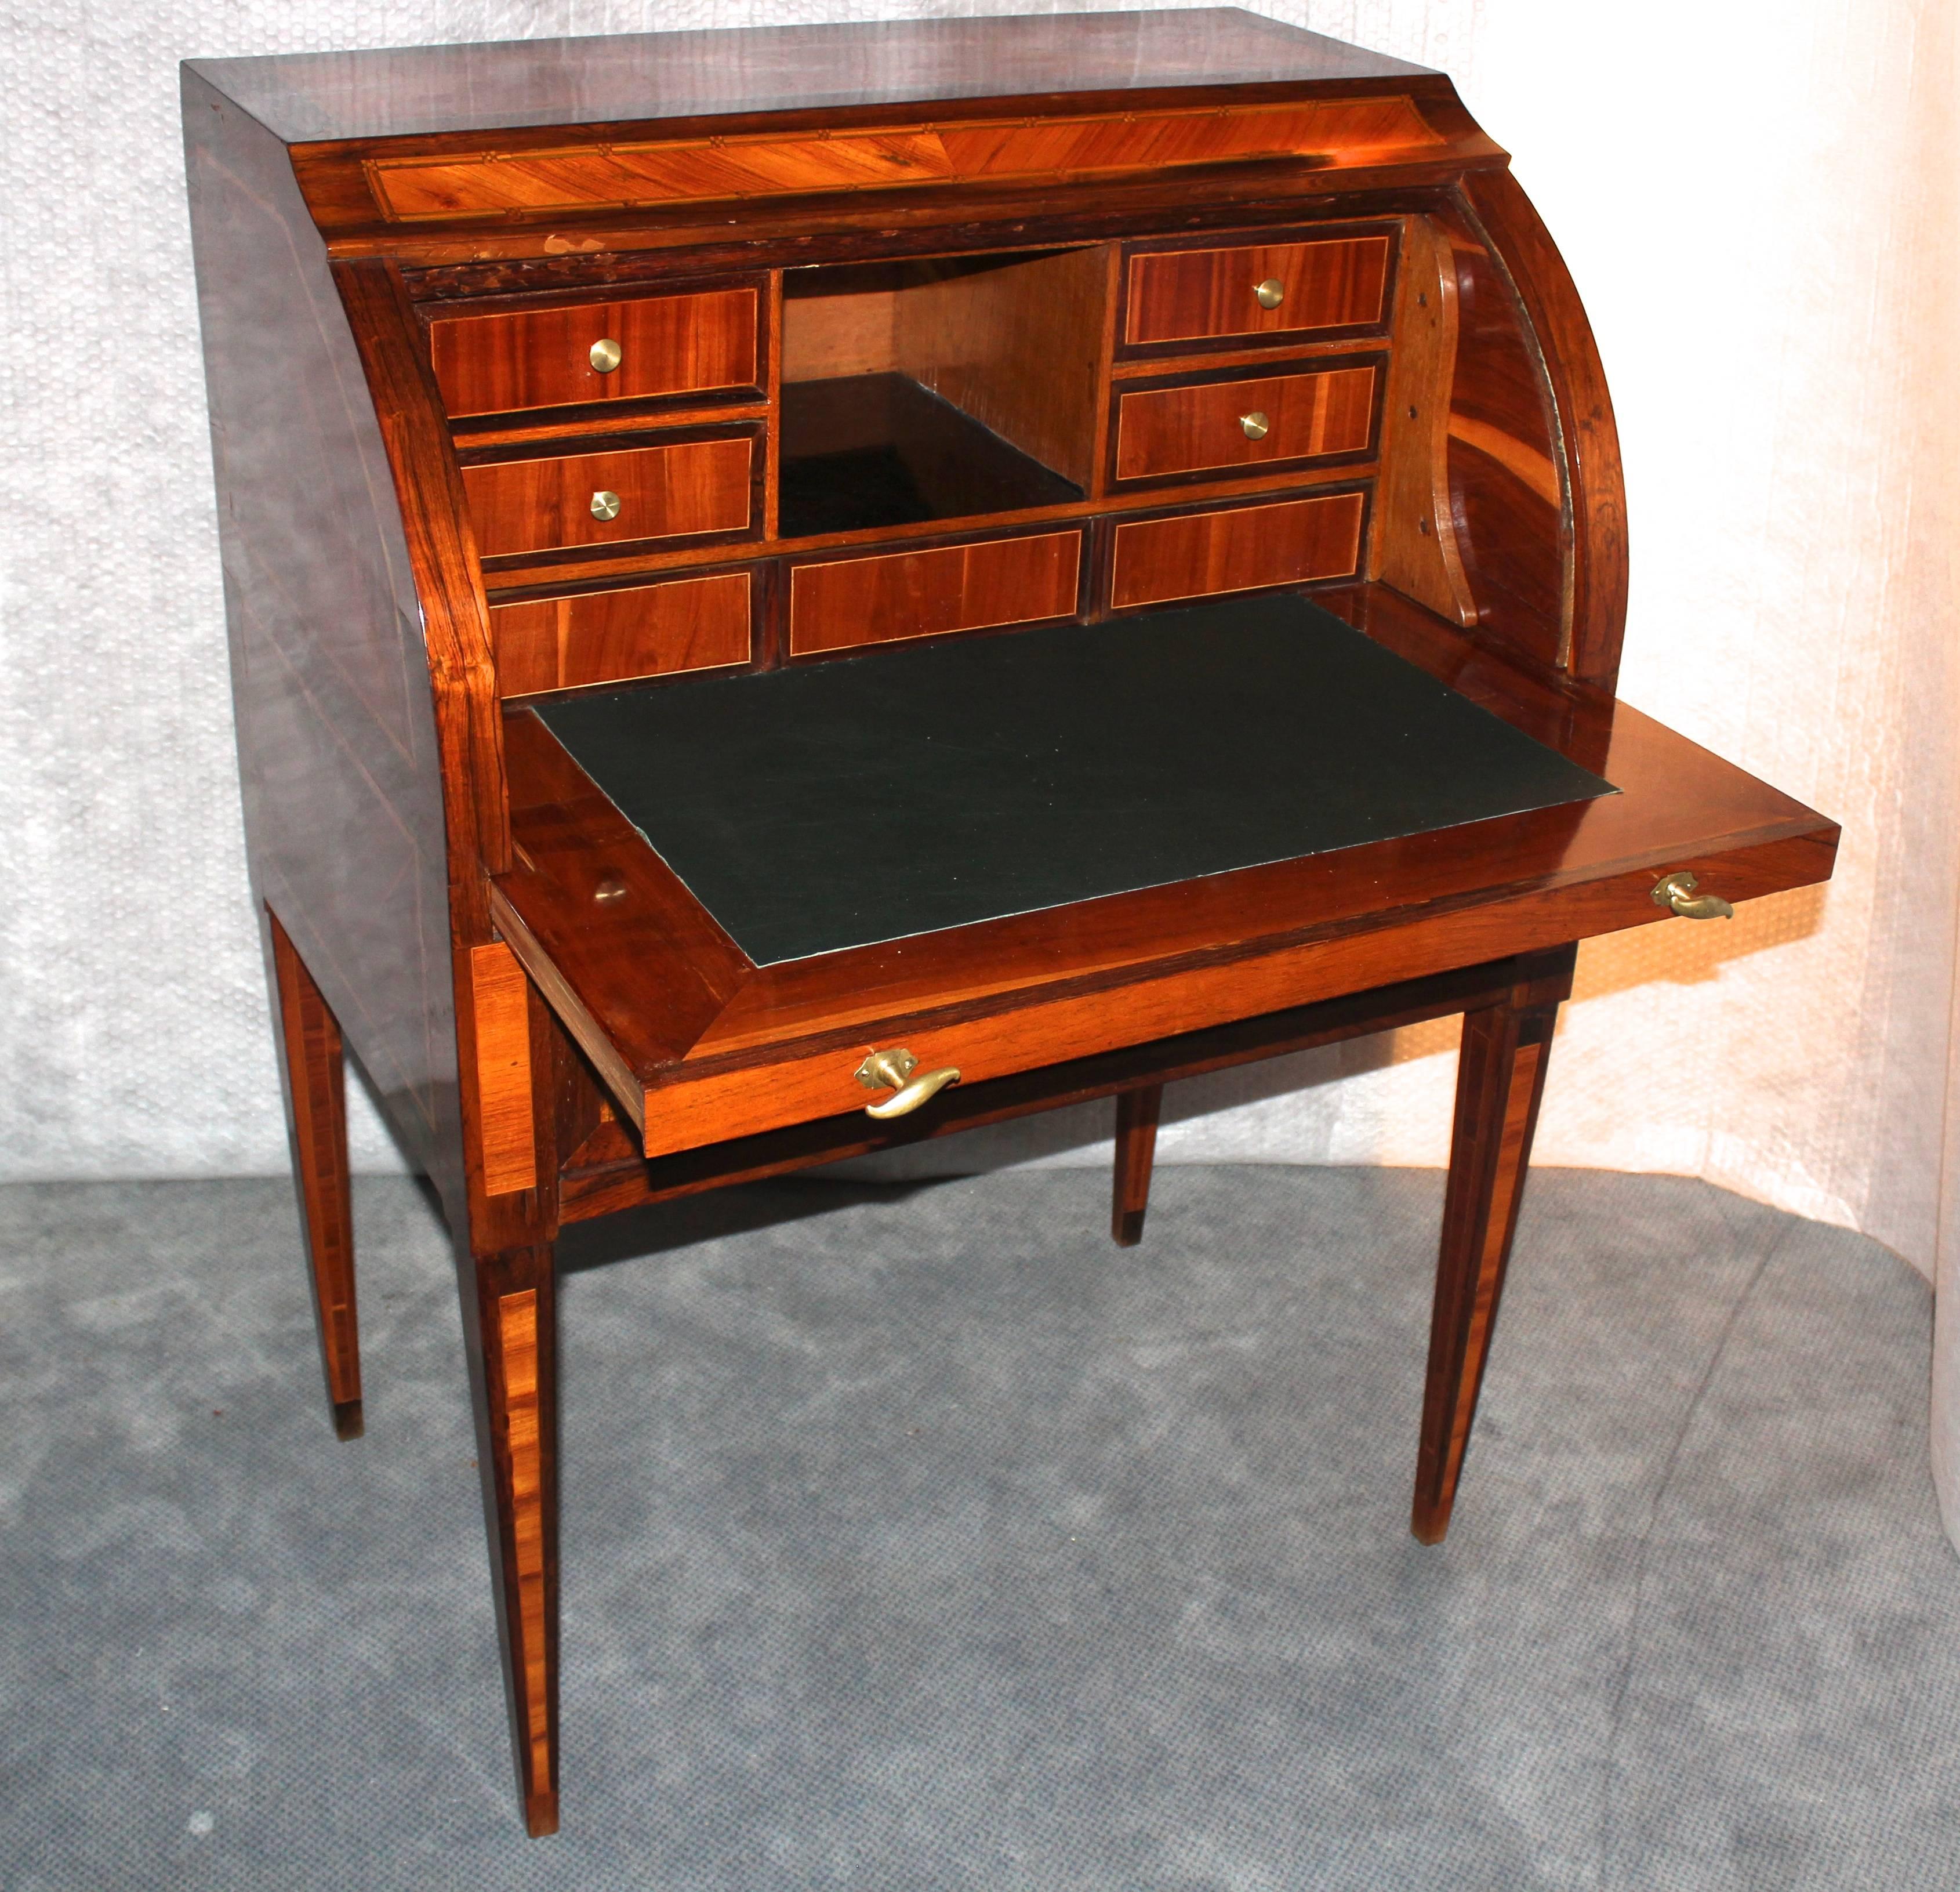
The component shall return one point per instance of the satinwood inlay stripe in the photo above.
(517, 1340)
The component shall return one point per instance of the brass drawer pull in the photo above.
(1271, 293)
(605, 505)
(1256, 425)
(605, 355)
(1676, 894)
(892, 1071)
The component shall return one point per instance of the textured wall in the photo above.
(1758, 205)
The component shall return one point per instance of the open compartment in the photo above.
(945, 388)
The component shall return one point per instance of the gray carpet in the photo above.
(921, 1539)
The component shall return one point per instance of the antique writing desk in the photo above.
(794, 590)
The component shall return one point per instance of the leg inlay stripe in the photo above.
(1497, 1235)
(517, 1339)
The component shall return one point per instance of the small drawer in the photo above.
(597, 352)
(836, 604)
(1235, 549)
(1221, 426)
(614, 637)
(639, 492)
(1256, 289)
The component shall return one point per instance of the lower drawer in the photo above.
(1235, 549)
(609, 637)
(635, 492)
(837, 603)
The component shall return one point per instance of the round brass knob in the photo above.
(1256, 425)
(604, 356)
(1271, 293)
(605, 505)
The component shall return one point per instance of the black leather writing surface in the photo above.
(935, 786)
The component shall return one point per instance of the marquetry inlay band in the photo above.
(1330, 134)
(517, 1344)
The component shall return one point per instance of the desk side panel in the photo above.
(338, 752)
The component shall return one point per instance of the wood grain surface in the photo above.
(1499, 1083)
(840, 603)
(499, 992)
(1338, 133)
(313, 1066)
(664, 492)
(543, 358)
(1413, 530)
(1190, 295)
(1234, 548)
(614, 636)
(1593, 589)
(1201, 427)
(1019, 348)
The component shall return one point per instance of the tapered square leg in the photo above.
(510, 1326)
(1137, 1114)
(312, 1071)
(1500, 1080)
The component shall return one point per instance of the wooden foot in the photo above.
(313, 1071)
(1137, 1113)
(510, 1320)
(1500, 1080)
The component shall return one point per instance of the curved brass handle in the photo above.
(1676, 894)
(1271, 293)
(1255, 425)
(892, 1071)
(604, 355)
(605, 505)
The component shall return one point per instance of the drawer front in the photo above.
(844, 602)
(1192, 295)
(545, 357)
(1235, 549)
(800, 1088)
(1216, 426)
(609, 637)
(661, 493)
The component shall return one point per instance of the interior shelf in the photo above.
(942, 388)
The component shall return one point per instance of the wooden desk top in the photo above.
(416, 90)
(903, 792)
(717, 1044)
